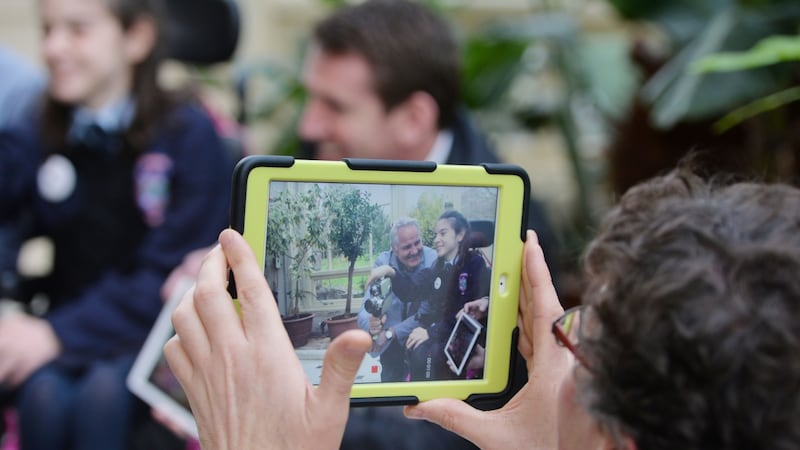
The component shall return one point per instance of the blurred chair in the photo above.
(481, 236)
(203, 32)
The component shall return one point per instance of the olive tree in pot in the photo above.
(295, 229)
(351, 217)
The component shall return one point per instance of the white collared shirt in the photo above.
(111, 118)
(441, 148)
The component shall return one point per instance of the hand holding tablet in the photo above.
(492, 197)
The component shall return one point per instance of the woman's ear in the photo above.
(140, 39)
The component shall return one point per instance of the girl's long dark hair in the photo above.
(459, 223)
(152, 102)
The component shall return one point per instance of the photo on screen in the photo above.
(324, 239)
(459, 347)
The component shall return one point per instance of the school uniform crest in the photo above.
(462, 282)
(152, 186)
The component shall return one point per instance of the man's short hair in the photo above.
(400, 223)
(693, 328)
(408, 47)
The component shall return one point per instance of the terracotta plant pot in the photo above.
(299, 328)
(339, 324)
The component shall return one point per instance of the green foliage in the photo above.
(675, 94)
(662, 10)
(714, 33)
(272, 91)
(768, 51)
(636, 9)
(295, 228)
(429, 208)
(760, 106)
(490, 66)
(380, 232)
(351, 216)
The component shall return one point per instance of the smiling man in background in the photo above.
(383, 80)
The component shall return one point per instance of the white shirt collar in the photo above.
(441, 148)
(112, 117)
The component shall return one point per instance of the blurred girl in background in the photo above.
(124, 179)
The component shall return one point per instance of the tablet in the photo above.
(458, 348)
(319, 227)
(150, 377)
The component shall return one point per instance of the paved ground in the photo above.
(311, 357)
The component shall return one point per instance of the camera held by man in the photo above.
(374, 303)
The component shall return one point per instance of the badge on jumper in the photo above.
(437, 283)
(56, 179)
(152, 186)
(462, 282)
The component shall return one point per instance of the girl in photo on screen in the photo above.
(459, 276)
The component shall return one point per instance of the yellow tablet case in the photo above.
(317, 227)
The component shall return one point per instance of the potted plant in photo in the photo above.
(295, 229)
(351, 217)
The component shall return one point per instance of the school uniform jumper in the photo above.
(447, 288)
(119, 223)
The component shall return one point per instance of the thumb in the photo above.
(341, 363)
(452, 415)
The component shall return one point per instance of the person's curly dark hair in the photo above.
(693, 331)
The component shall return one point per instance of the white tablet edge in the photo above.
(464, 320)
(138, 380)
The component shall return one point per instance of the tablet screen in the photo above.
(462, 341)
(323, 239)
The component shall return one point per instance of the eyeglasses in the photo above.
(568, 332)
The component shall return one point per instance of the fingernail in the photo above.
(412, 413)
